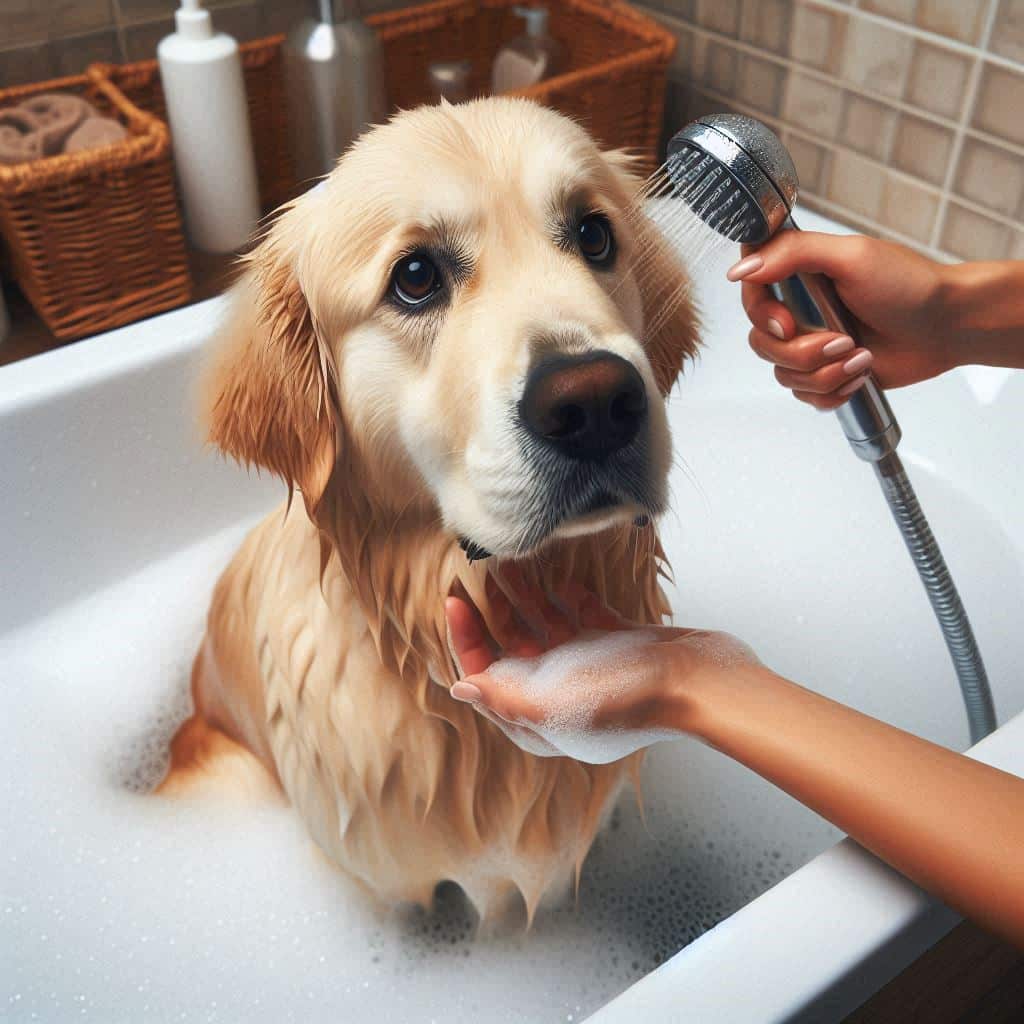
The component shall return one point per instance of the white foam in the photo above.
(572, 681)
(119, 906)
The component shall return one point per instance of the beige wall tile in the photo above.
(766, 24)
(77, 17)
(1000, 105)
(682, 60)
(29, 21)
(877, 57)
(242, 22)
(868, 126)
(719, 16)
(700, 103)
(24, 21)
(812, 105)
(680, 68)
(1008, 31)
(922, 148)
(991, 176)
(856, 184)
(811, 161)
(971, 236)
(720, 65)
(74, 55)
(699, 58)
(1017, 245)
(938, 79)
(902, 9)
(677, 110)
(958, 19)
(761, 84)
(140, 41)
(26, 64)
(817, 37)
(133, 12)
(908, 208)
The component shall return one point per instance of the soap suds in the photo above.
(573, 681)
(109, 897)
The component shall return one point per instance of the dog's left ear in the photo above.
(270, 397)
(671, 323)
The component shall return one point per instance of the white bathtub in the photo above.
(114, 525)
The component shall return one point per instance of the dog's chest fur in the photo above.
(399, 792)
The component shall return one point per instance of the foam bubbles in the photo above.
(573, 681)
(110, 898)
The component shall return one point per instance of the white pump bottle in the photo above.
(209, 119)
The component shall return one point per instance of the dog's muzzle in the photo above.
(584, 407)
(584, 430)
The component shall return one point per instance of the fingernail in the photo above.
(837, 347)
(854, 385)
(775, 328)
(861, 361)
(468, 692)
(745, 267)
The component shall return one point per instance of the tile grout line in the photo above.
(832, 80)
(841, 213)
(834, 149)
(966, 113)
(945, 42)
(823, 76)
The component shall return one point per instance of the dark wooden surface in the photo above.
(211, 274)
(970, 977)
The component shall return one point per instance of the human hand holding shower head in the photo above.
(736, 176)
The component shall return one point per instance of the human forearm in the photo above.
(983, 307)
(951, 824)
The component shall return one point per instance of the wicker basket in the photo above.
(268, 112)
(614, 85)
(94, 238)
(617, 61)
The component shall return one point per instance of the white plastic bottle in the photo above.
(529, 58)
(209, 119)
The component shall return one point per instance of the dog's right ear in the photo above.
(270, 393)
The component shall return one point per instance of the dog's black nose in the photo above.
(584, 406)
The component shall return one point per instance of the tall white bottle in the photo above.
(209, 119)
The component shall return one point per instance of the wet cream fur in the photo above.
(325, 666)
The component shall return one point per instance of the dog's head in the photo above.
(472, 309)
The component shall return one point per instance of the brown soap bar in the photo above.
(94, 132)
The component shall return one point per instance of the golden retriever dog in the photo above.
(455, 352)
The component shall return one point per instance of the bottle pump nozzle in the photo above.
(536, 19)
(192, 21)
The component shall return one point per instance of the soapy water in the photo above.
(117, 905)
(571, 682)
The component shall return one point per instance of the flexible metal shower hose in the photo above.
(945, 601)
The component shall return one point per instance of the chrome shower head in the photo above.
(735, 174)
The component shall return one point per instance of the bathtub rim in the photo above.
(849, 921)
(888, 922)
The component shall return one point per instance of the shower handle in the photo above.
(866, 418)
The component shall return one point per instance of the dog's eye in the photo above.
(595, 239)
(415, 279)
